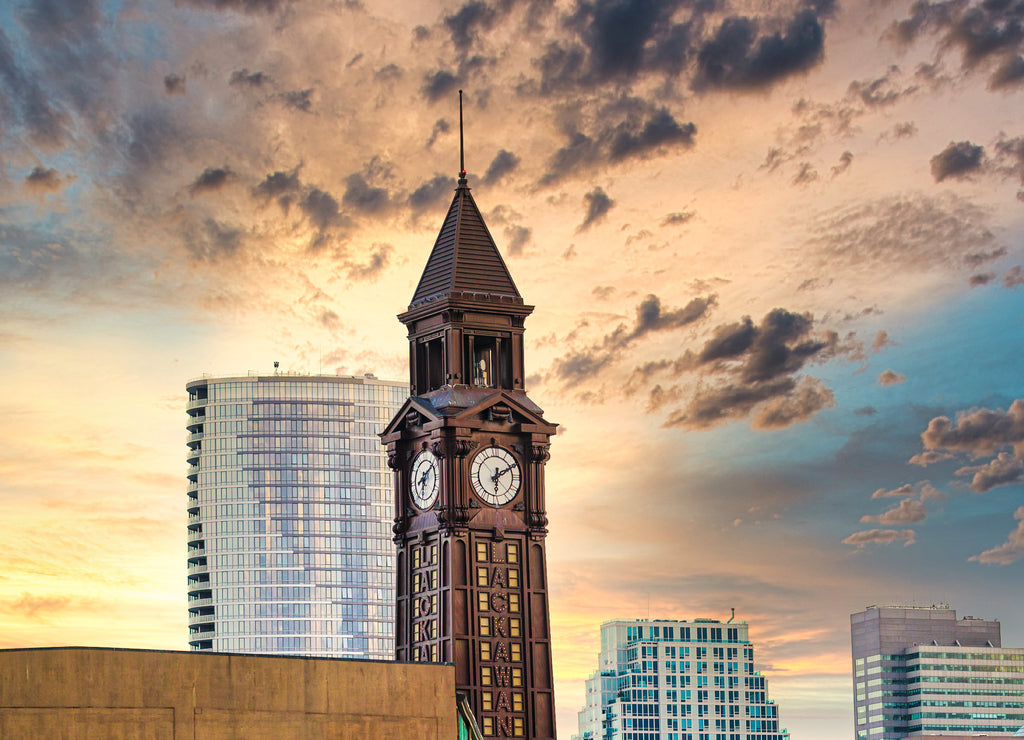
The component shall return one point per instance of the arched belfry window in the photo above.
(489, 360)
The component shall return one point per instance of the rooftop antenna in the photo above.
(276, 366)
(462, 147)
(733, 615)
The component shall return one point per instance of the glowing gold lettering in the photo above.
(501, 652)
(503, 702)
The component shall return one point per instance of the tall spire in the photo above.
(465, 260)
(462, 148)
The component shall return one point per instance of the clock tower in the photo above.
(468, 450)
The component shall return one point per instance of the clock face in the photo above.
(495, 475)
(425, 479)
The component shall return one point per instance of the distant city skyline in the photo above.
(668, 679)
(777, 248)
(920, 672)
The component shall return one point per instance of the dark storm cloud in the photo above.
(152, 135)
(279, 183)
(244, 78)
(625, 128)
(580, 153)
(845, 160)
(431, 193)
(678, 218)
(881, 91)
(659, 130)
(438, 84)
(380, 258)
(979, 432)
(212, 178)
(622, 41)
(805, 174)
(44, 180)
(983, 33)
(905, 130)
(753, 369)
(583, 364)
(1008, 155)
(322, 208)
(881, 537)
(174, 85)
(517, 237)
(388, 72)
(440, 127)
(362, 197)
(711, 406)
(1009, 74)
(465, 23)
(503, 163)
(623, 36)
(808, 398)
(285, 186)
(781, 345)
(243, 6)
(1000, 471)
(980, 258)
(736, 57)
(212, 240)
(598, 204)
(959, 160)
(300, 100)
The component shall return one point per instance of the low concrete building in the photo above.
(77, 693)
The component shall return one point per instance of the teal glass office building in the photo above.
(677, 680)
(289, 515)
(919, 672)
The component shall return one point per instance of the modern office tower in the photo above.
(677, 680)
(289, 515)
(919, 672)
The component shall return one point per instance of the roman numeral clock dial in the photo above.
(495, 475)
(424, 480)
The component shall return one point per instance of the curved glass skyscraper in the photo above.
(289, 515)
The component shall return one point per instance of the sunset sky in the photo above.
(775, 250)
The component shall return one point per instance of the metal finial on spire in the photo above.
(462, 147)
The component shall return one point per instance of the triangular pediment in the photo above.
(504, 408)
(465, 259)
(414, 412)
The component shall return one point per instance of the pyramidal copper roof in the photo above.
(465, 262)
